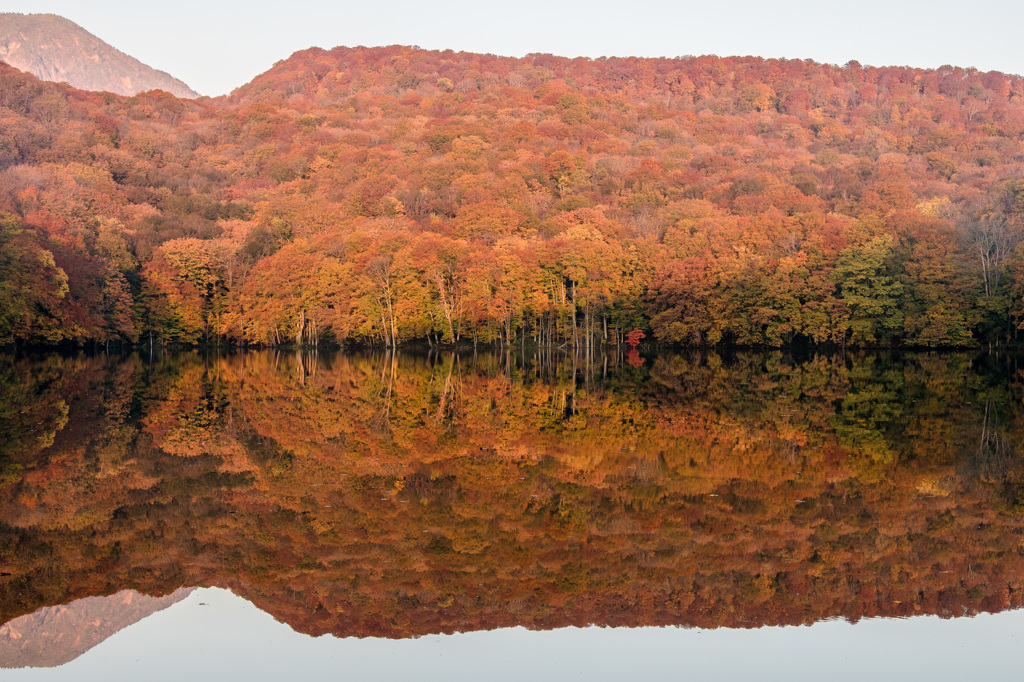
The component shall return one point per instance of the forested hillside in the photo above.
(394, 195)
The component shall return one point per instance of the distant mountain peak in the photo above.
(54, 635)
(53, 48)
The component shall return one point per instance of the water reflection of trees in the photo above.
(397, 494)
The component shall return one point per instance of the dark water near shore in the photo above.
(412, 496)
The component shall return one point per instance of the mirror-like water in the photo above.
(398, 497)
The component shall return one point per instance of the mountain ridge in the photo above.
(56, 49)
(324, 64)
(55, 635)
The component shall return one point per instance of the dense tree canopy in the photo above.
(394, 195)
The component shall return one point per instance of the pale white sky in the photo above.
(215, 635)
(216, 46)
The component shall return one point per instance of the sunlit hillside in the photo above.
(394, 195)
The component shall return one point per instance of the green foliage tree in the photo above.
(868, 287)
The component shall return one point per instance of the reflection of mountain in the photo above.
(373, 496)
(54, 635)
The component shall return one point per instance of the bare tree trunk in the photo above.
(384, 328)
(445, 305)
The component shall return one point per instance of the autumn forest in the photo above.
(388, 196)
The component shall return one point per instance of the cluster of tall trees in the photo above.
(395, 195)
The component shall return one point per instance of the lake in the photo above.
(697, 515)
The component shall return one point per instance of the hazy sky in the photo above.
(214, 635)
(215, 46)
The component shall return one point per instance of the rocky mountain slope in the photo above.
(52, 48)
(55, 635)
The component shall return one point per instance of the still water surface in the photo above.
(697, 502)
